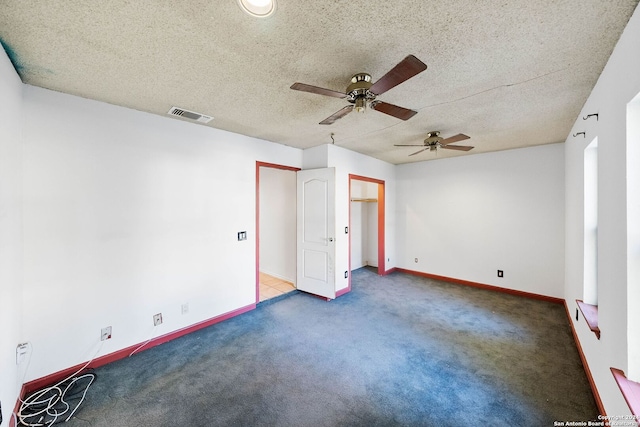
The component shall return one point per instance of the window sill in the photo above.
(630, 390)
(590, 314)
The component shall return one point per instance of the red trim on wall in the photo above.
(484, 286)
(258, 232)
(276, 166)
(344, 290)
(258, 166)
(630, 390)
(381, 229)
(381, 222)
(389, 271)
(585, 364)
(51, 379)
(590, 314)
(23, 393)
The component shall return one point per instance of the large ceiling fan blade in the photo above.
(419, 151)
(407, 68)
(408, 145)
(393, 110)
(319, 90)
(337, 115)
(457, 147)
(455, 138)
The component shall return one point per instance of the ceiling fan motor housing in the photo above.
(358, 91)
(432, 138)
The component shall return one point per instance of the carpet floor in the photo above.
(398, 350)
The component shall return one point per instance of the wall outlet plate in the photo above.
(105, 334)
(500, 273)
(157, 319)
(242, 235)
(21, 352)
(185, 308)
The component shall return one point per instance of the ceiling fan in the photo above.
(434, 141)
(361, 91)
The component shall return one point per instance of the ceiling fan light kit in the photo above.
(362, 92)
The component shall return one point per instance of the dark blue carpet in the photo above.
(397, 350)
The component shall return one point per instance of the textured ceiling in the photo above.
(507, 73)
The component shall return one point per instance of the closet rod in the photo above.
(364, 200)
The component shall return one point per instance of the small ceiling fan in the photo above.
(361, 91)
(434, 141)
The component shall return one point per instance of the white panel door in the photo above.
(316, 232)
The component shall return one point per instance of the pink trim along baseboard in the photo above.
(343, 291)
(483, 286)
(587, 370)
(12, 421)
(53, 378)
(389, 271)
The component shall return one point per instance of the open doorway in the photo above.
(275, 230)
(366, 219)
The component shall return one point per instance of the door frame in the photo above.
(381, 228)
(258, 166)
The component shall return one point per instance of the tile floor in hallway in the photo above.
(271, 287)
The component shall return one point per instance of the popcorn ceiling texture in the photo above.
(507, 73)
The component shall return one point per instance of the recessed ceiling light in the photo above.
(258, 8)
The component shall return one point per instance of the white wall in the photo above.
(349, 162)
(10, 234)
(278, 223)
(466, 217)
(618, 84)
(128, 214)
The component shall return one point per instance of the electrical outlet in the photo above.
(105, 334)
(157, 319)
(415, 260)
(242, 235)
(500, 273)
(21, 352)
(346, 274)
(185, 308)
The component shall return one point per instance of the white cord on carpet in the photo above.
(46, 406)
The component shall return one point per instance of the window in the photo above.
(590, 278)
(633, 239)
(589, 304)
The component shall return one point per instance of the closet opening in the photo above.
(366, 224)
